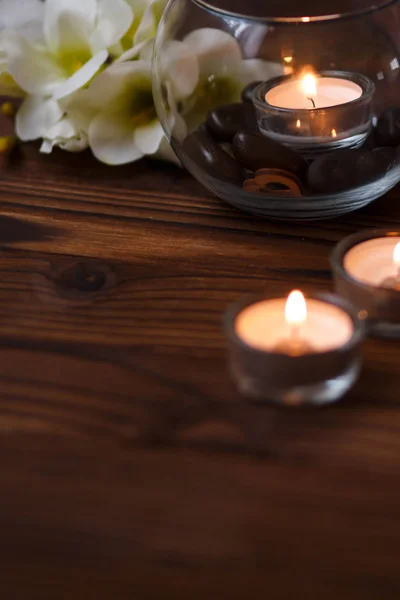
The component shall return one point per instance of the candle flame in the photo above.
(298, 123)
(296, 309)
(333, 132)
(396, 255)
(309, 85)
(288, 59)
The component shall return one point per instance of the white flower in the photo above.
(76, 36)
(139, 37)
(118, 112)
(44, 118)
(255, 69)
(206, 70)
(27, 18)
(36, 117)
(16, 13)
(66, 135)
(180, 69)
(218, 52)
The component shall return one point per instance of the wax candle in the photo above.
(316, 113)
(294, 351)
(366, 269)
(375, 262)
(310, 92)
(269, 323)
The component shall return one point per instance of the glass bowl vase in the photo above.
(282, 113)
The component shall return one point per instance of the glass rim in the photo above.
(351, 241)
(305, 20)
(234, 310)
(365, 83)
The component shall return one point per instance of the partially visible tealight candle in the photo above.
(375, 261)
(269, 325)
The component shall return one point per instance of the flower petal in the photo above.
(150, 20)
(180, 68)
(72, 35)
(113, 20)
(82, 76)
(174, 124)
(13, 17)
(134, 52)
(255, 69)
(78, 144)
(86, 10)
(111, 139)
(147, 28)
(148, 137)
(33, 69)
(81, 108)
(147, 51)
(65, 135)
(218, 52)
(116, 85)
(8, 87)
(36, 117)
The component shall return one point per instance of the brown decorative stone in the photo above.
(258, 151)
(345, 169)
(202, 149)
(386, 157)
(388, 128)
(226, 121)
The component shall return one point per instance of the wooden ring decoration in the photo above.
(274, 182)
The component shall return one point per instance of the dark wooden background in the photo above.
(130, 467)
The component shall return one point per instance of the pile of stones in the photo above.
(230, 147)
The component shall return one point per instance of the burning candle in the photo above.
(310, 91)
(294, 326)
(294, 350)
(375, 262)
(367, 272)
(296, 318)
(394, 281)
(316, 112)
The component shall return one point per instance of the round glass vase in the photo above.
(207, 53)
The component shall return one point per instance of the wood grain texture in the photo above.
(131, 468)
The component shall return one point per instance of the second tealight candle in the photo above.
(294, 351)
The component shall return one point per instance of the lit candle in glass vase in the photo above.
(334, 109)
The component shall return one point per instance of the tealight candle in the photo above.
(393, 281)
(294, 351)
(316, 113)
(294, 326)
(309, 92)
(367, 272)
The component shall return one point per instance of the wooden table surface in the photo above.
(130, 467)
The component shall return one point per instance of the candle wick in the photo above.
(312, 101)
